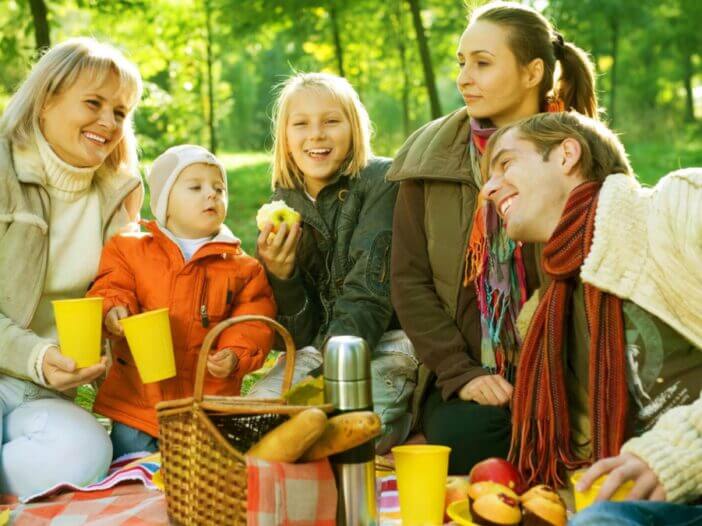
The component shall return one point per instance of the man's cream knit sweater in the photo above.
(647, 248)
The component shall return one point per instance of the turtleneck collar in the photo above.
(63, 181)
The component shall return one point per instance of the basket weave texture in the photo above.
(203, 440)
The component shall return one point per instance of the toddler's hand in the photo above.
(222, 363)
(114, 314)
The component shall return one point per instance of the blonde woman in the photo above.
(331, 274)
(69, 179)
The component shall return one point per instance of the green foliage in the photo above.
(647, 54)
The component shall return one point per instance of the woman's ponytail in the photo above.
(576, 85)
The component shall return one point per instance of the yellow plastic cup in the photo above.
(421, 482)
(149, 337)
(583, 499)
(79, 327)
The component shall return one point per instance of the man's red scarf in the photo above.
(541, 444)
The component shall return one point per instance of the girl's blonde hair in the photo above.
(286, 173)
(58, 70)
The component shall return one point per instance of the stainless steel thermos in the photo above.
(347, 386)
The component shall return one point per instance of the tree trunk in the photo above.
(396, 16)
(41, 24)
(426, 59)
(688, 72)
(338, 50)
(613, 75)
(210, 79)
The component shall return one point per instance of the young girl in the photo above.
(190, 262)
(331, 274)
(458, 282)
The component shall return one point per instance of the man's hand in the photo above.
(620, 469)
(61, 374)
(222, 363)
(487, 390)
(112, 317)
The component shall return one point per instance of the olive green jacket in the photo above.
(438, 313)
(438, 154)
(24, 248)
(341, 283)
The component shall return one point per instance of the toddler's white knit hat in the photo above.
(166, 168)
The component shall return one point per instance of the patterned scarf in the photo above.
(541, 444)
(494, 264)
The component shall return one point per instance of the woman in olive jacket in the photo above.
(458, 283)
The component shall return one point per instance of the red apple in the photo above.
(456, 489)
(500, 471)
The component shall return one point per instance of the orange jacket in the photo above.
(147, 271)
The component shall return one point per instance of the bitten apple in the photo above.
(276, 212)
(500, 471)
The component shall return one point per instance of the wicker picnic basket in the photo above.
(203, 440)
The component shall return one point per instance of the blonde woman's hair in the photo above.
(286, 173)
(57, 70)
(601, 151)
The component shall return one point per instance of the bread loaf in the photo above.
(344, 432)
(288, 441)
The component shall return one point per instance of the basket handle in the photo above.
(212, 336)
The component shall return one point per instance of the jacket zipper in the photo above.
(204, 317)
(383, 269)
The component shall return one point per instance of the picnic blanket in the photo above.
(129, 495)
(130, 503)
(109, 501)
(139, 467)
(388, 501)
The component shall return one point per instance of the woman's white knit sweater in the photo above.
(75, 237)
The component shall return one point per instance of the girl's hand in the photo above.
(60, 371)
(487, 390)
(114, 314)
(278, 253)
(620, 469)
(221, 364)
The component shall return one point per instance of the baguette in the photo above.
(344, 432)
(288, 441)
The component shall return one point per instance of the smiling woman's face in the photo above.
(493, 85)
(84, 123)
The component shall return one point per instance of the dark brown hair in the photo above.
(532, 36)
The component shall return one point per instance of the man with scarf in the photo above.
(616, 340)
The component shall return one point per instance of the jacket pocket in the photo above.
(378, 265)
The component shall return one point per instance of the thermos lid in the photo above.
(346, 359)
